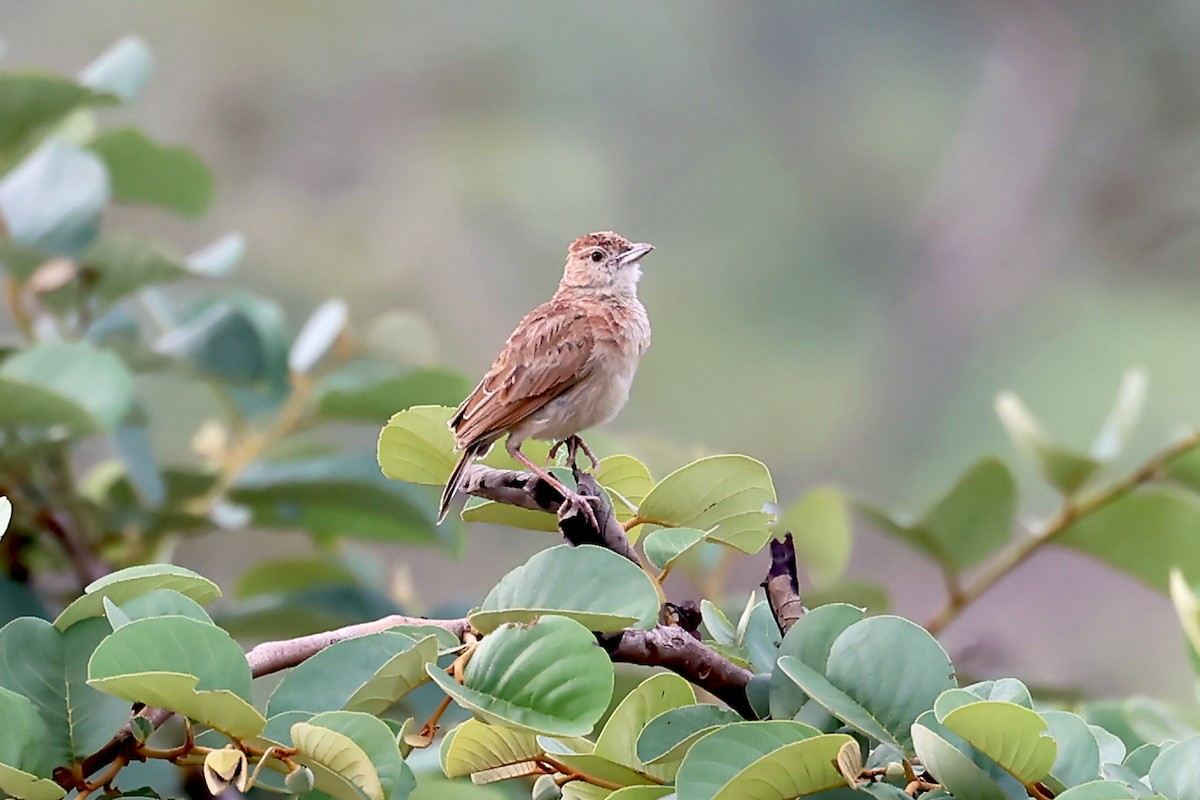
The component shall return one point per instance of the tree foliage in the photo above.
(772, 701)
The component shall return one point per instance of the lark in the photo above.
(567, 367)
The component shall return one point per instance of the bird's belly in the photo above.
(593, 401)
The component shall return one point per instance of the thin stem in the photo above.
(1071, 513)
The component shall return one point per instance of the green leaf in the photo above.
(50, 668)
(1184, 598)
(417, 447)
(84, 387)
(366, 391)
(52, 200)
(1065, 470)
(1098, 790)
(619, 738)
(341, 768)
(342, 495)
(715, 761)
(24, 736)
(239, 338)
(592, 585)
(282, 575)
(1078, 758)
(368, 674)
(475, 747)
(126, 584)
(376, 741)
(24, 786)
(665, 545)
(30, 102)
(717, 624)
(867, 595)
(158, 603)
(628, 482)
(668, 736)
(479, 510)
(821, 533)
(1175, 774)
(603, 769)
(795, 770)
(182, 665)
(1167, 525)
(1011, 735)
(954, 769)
(727, 492)
(549, 677)
(146, 173)
(863, 670)
(122, 69)
(124, 265)
(975, 518)
(808, 640)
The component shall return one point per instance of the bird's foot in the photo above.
(574, 444)
(583, 503)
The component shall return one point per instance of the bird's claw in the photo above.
(574, 444)
(583, 504)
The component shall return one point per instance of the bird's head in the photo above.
(604, 262)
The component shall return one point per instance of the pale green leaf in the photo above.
(75, 374)
(592, 585)
(668, 736)
(1013, 736)
(955, 770)
(715, 761)
(1064, 469)
(619, 738)
(665, 545)
(821, 533)
(728, 492)
(549, 677)
(126, 584)
(475, 746)
(145, 172)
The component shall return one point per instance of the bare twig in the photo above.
(783, 584)
(526, 490)
(674, 648)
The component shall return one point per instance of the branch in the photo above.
(1071, 513)
(526, 490)
(783, 584)
(672, 647)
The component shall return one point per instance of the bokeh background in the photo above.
(870, 218)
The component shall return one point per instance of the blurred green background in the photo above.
(870, 218)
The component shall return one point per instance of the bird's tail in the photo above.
(469, 454)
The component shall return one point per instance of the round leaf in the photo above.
(808, 640)
(180, 664)
(665, 545)
(376, 740)
(77, 373)
(52, 200)
(475, 747)
(368, 674)
(591, 585)
(549, 677)
(339, 765)
(954, 769)
(715, 761)
(1011, 735)
(668, 736)
(126, 584)
(727, 492)
(628, 482)
(416, 446)
(619, 738)
(1175, 774)
(1078, 758)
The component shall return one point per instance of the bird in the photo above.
(567, 366)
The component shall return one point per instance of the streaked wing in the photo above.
(547, 354)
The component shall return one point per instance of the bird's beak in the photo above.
(634, 253)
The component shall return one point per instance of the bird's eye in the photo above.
(597, 256)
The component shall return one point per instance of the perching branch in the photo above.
(526, 490)
(782, 584)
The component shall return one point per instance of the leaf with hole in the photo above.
(548, 677)
(180, 664)
(727, 492)
(592, 585)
